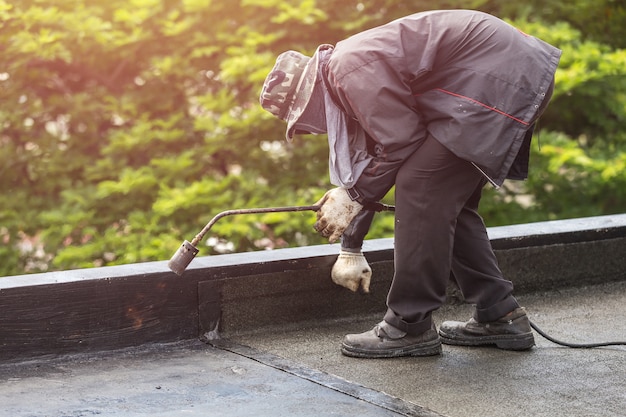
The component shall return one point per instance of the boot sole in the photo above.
(423, 349)
(505, 342)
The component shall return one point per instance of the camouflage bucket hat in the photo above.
(288, 88)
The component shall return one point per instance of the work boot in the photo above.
(511, 332)
(386, 341)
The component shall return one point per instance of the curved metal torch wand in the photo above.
(187, 251)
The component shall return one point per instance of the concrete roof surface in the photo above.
(298, 370)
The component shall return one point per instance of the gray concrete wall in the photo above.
(107, 308)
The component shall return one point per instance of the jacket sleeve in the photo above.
(379, 98)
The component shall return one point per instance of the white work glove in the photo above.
(351, 270)
(335, 214)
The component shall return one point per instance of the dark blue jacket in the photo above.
(474, 82)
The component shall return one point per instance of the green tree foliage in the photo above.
(127, 125)
(599, 20)
(130, 124)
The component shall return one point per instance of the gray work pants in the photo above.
(438, 231)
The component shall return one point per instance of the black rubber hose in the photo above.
(573, 345)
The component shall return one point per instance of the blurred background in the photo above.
(125, 126)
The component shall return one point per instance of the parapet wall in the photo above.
(97, 309)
